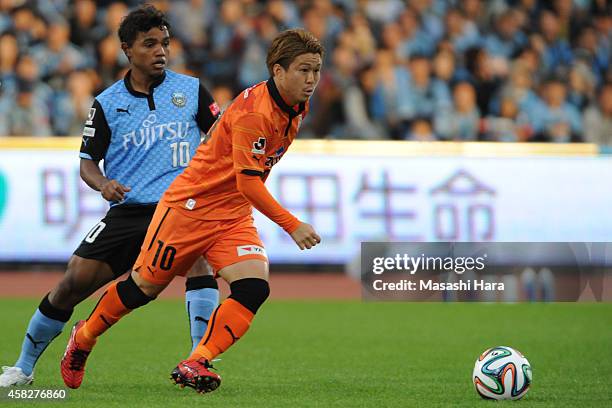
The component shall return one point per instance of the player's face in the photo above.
(298, 82)
(150, 51)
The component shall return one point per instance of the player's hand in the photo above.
(112, 190)
(305, 236)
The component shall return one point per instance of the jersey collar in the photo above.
(154, 84)
(278, 99)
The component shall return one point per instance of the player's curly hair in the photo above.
(141, 20)
(289, 45)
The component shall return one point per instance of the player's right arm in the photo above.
(96, 139)
(91, 174)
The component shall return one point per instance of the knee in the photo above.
(250, 292)
(75, 286)
(131, 295)
(146, 287)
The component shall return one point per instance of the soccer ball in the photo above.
(502, 373)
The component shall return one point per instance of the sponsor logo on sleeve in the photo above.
(259, 147)
(90, 117)
(89, 131)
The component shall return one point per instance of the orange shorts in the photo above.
(174, 242)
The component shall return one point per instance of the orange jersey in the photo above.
(250, 137)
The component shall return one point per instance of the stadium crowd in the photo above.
(499, 70)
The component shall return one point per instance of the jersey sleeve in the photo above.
(208, 110)
(96, 134)
(254, 190)
(249, 144)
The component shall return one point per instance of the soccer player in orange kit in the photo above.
(207, 211)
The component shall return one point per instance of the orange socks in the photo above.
(106, 313)
(228, 324)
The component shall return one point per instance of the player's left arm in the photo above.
(208, 110)
(254, 190)
(248, 153)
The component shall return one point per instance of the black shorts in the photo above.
(117, 238)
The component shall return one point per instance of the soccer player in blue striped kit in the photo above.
(145, 128)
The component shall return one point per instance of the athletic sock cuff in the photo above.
(250, 292)
(201, 282)
(131, 295)
(52, 312)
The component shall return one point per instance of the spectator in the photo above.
(598, 119)
(111, 60)
(190, 20)
(581, 86)
(532, 9)
(510, 126)
(421, 131)
(474, 11)
(252, 67)
(70, 107)
(223, 95)
(462, 32)
(392, 38)
(178, 62)
(382, 12)
(27, 71)
(389, 101)
(431, 17)
(284, 13)
(84, 33)
(58, 57)
(518, 89)
(594, 51)
(114, 14)
(506, 38)
(445, 68)
(362, 39)
(462, 121)
(554, 50)
(415, 40)
(28, 116)
(404, 57)
(5, 20)
(426, 95)
(482, 76)
(226, 43)
(23, 24)
(556, 120)
(9, 51)
(328, 110)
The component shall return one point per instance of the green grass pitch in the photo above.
(338, 354)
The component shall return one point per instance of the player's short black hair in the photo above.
(141, 20)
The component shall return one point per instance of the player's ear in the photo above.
(278, 71)
(127, 50)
